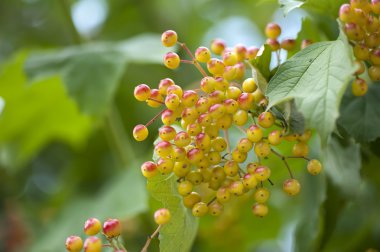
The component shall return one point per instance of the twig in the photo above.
(145, 248)
(283, 158)
(194, 61)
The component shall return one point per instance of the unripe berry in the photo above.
(231, 168)
(216, 111)
(190, 200)
(254, 133)
(162, 216)
(174, 89)
(262, 149)
(249, 85)
(172, 101)
(218, 46)
(251, 167)
(261, 195)
(374, 73)
(260, 210)
(240, 71)
(240, 117)
(229, 58)
(273, 44)
(359, 87)
(375, 56)
(221, 84)
(304, 137)
(252, 52)
(372, 24)
(345, 13)
(236, 188)
(93, 244)
(240, 51)
(231, 106)
(288, 44)
(249, 181)
(300, 149)
(168, 117)
(266, 119)
(171, 60)
(195, 177)
(275, 138)
(194, 129)
(195, 155)
(219, 144)
(140, 132)
(167, 133)
(292, 187)
(262, 173)
(149, 169)
(74, 243)
(200, 209)
(182, 139)
(154, 97)
(165, 165)
(272, 30)
(92, 226)
(361, 51)
(216, 97)
(189, 98)
(202, 54)
(314, 167)
(244, 145)
(142, 92)
(246, 101)
(208, 84)
(238, 156)
(182, 168)
(354, 32)
(164, 84)
(223, 195)
(291, 137)
(164, 149)
(215, 208)
(258, 95)
(212, 130)
(229, 73)
(218, 174)
(224, 122)
(233, 92)
(179, 154)
(214, 157)
(215, 67)
(169, 38)
(372, 40)
(185, 187)
(112, 228)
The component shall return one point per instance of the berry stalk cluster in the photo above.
(362, 25)
(198, 150)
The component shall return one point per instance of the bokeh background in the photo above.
(68, 70)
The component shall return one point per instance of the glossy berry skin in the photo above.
(171, 60)
(238, 156)
(164, 84)
(162, 216)
(229, 58)
(93, 244)
(189, 98)
(167, 133)
(218, 46)
(375, 56)
(361, 51)
(249, 181)
(244, 145)
(266, 119)
(74, 243)
(112, 228)
(260, 210)
(292, 187)
(182, 139)
(142, 92)
(165, 165)
(149, 169)
(172, 101)
(185, 187)
(164, 149)
(275, 137)
(236, 188)
(169, 38)
(314, 167)
(231, 168)
(374, 73)
(200, 209)
(219, 144)
(249, 85)
(261, 195)
(240, 117)
(359, 87)
(262, 173)
(272, 30)
(254, 133)
(92, 226)
(140, 132)
(202, 54)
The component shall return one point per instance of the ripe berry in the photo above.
(167, 133)
(354, 32)
(200, 209)
(217, 46)
(261, 195)
(149, 169)
(246, 101)
(195, 155)
(74, 243)
(229, 58)
(272, 30)
(260, 210)
(300, 149)
(140, 132)
(359, 87)
(92, 226)
(217, 111)
(240, 51)
(172, 101)
(174, 89)
(162, 216)
(374, 73)
(202, 54)
(112, 228)
(169, 38)
(292, 187)
(93, 244)
(251, 167)
(231, 106)
(171, 60)
(266, 119)
(215, 67)
(273, 44)
(168, 117)
(142, 92)
(249, 85)
(262, 173)
(215, 208)
(254, 133)
(314, 167)
(182, 139)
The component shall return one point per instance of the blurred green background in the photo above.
(68, 70)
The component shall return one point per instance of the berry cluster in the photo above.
(111, 231)
(198, 151)
(362, 25)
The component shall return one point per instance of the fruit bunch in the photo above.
(111, 231)
(361, 25)
(194, 141)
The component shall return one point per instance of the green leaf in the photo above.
(92, 72)
(289, 5)
(122, 198)
(315, 78)
(327, 7)
(36, 114)
(262, 66)
(360, 116)
(180, 232)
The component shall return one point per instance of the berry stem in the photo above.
(226, 137)
(154, 118)
(187, 61)
(306, 158)
(242, 130)
(151, 99)
(194, 61)
(270, 181)
(283, 158)
(120, 245)
(145, 248)
(212, 200)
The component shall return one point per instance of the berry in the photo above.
(195, 177)
(165, 165)
(254, 133)
(215, 208)
(231, 168)
(169, 38)
(236, 188)
(262, 173)
(249, 181)
(92, 226)
(185, 187)
(354, 32)
(244, 145)
(374, 73)
(164, 84)
(182, 139)
(149, 169)
(272, 30)
(142, 92)
(359, 87)
(314, 167)
(262, 149)
(189, 98)
(273, 44)
(288, 44)
(162, 216)
(167, 133)
(218, 46)
(200, 209)
(240, 117)
(252, 52)
(181, 169)
(93, 244)
(292, 187)
(229, 58)
(249, 85)
(140, 132)
(261, 195)
(361, 68)
(275, 137)
(219, 144)
(202, 54)
(155, 99)
(74, 243)
(171, 60)
(164, 149)
(260, 210)
(240, 51)
(238, 156)
(215, 67)
(266, 119)
(305, 43)
(375, 56)
(300, 149)
(361, 51)
(172, 101)
(223, 195)
(112, 228)
(345, 13)
(375, 6)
